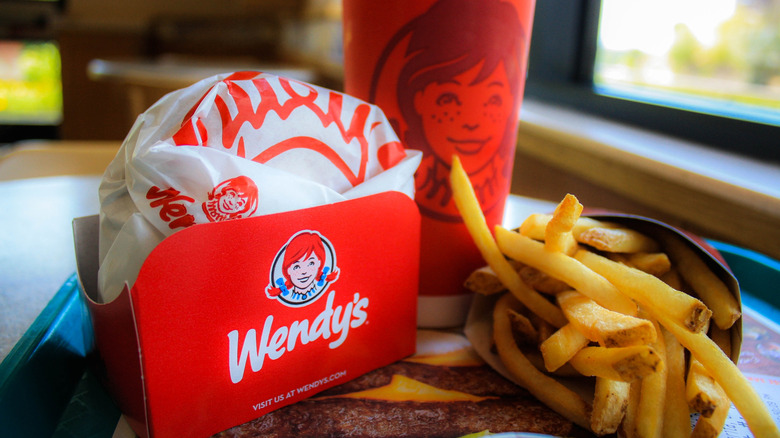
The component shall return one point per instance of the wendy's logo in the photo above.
(302, 269)
(232, 199)
(450, 81)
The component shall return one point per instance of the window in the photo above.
(614, 58)
(30, 80)
(30, 84)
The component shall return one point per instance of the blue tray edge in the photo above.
(41, 372)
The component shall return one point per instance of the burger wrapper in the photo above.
(234, 146)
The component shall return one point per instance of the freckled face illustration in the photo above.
(303, 272)
(451, 80)
(466, 117)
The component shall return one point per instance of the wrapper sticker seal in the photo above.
(240, 145)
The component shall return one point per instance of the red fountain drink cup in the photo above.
(449, 74)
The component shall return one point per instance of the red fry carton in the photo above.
(238, 270)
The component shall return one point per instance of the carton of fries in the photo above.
(620, 270)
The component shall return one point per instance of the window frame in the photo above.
(560, 71)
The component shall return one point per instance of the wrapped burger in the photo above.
(234, 146)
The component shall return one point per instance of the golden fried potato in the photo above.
(708, 287)
(619, 363)
(649, 291)
(561, 346)
(468, 206)
(564, 268)
(558, 236)
(607, 327)
(545, 388)
(610, 401)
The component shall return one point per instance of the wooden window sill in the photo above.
(611, 165)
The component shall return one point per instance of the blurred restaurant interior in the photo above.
(693, 140)
(678, 123)
(107, 61)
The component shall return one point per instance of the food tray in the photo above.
(47, 387)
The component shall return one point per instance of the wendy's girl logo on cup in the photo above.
(456, 78)
(302, 270)
(450, 76)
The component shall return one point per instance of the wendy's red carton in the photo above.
(258, 243)
(207, 339)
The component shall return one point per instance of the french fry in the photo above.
(544, 328)
(610, 401)
(535, 357)
(705, 395)
(628, 426)
(673, 279)
(734, 383)
(605, 236)
(522, 329)
(564, 268)
(535, 225)
(561, 346)
(557, 234)
(711, 427)
(540, 281)
(652, 397)
(622, 240)
(586, 223)
(624, 280)
(701, 390)
(548, 390)
(654, 263)
(468, 206)
(608, 328)
(722, 338)
(649, 291)
(676, 419)
(710, 289)
(620, 363)
(484, 281)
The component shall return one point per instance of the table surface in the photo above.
(37, 256)
(36, 245)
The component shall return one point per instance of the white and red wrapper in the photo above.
(240, 145)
